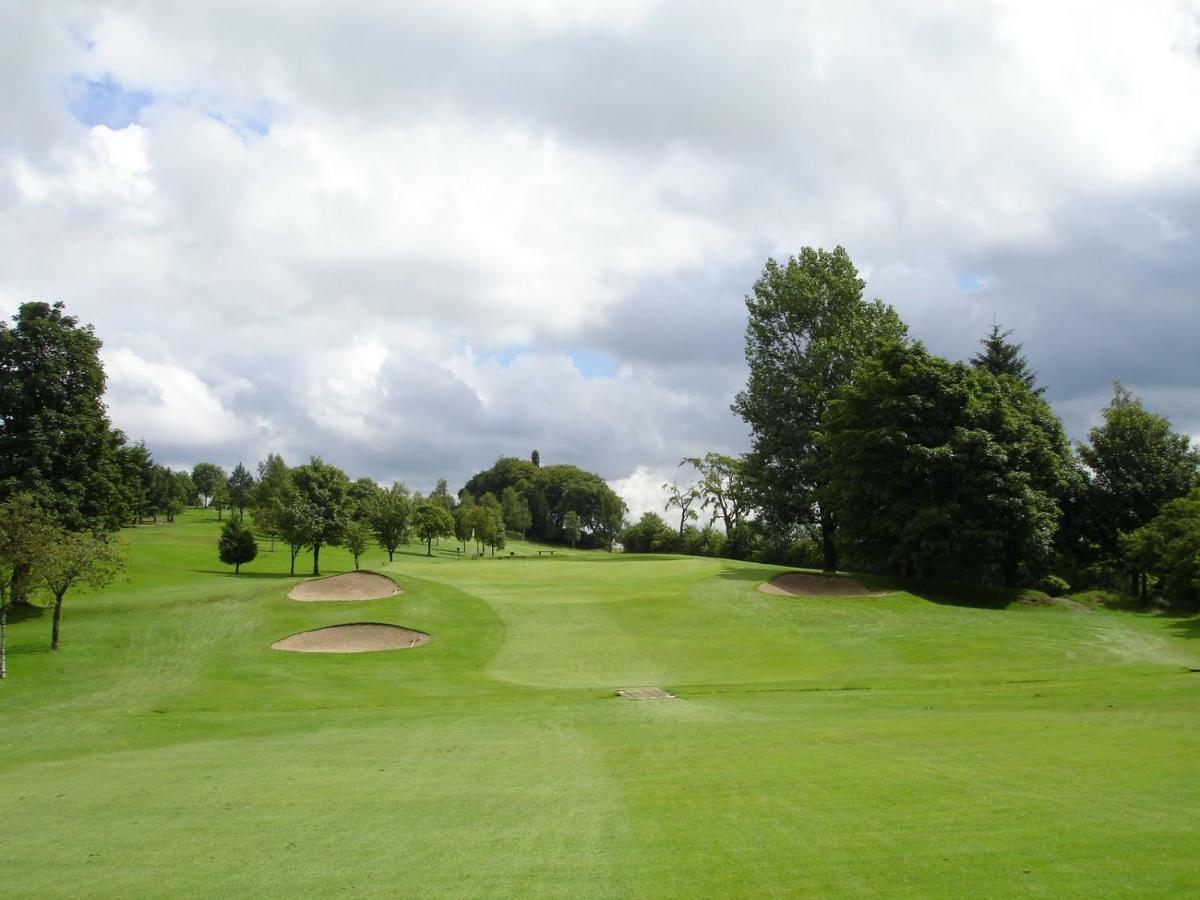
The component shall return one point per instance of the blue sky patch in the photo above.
(106, 102)
(972, 282)
(593, 365)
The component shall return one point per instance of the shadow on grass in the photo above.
(252, 575)
(24, 611)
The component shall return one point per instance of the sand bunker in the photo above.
(350, 586)
(360, 637)
(800, 584)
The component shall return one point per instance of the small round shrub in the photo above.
(1055, 586)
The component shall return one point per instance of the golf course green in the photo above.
(910, 744)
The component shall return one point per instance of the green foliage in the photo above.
(517, 517)
(944, 471)
(273, 490)
(1168, 547)
(808, 327)
(685, 500)
(73, 557)
(356, 538)
(550, 492)
(441, 495)
(1002, 357)
(362, 496)
(240, 489)
(237, 545)
(571, 527)
(650, 535)
(1135, 464)
(300, 524)
(26, 530)
(208, 479)
(388, 517)
(55, 439)
(430, 522)
(326, 489)
(1054, 586)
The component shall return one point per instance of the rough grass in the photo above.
(919, 744)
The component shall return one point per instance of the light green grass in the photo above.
(883, 746)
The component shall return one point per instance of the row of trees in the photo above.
(867, 446)
(556, 504)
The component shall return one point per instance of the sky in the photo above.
(411, 238)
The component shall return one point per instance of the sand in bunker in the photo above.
(360, 637)
(801, 584)
(350, 586)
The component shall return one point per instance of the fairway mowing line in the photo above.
(645, 694)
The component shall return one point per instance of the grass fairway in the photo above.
(819, 747)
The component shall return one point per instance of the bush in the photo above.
(237, 545)
(1054, 586)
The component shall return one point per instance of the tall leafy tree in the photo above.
(808, 327)
(356, 538)
(271, 493)
(431, 522)
(56, 442)
(389, 518)
(241, 489)
(571, 527)
(25, 532)
(300, 524)
(207, 477)
(941, 470)
(1168, 546)
(1135, 464)
(1000, 356)
(326, 489)
(73, 558)
(464, 518)
(517, 517)
(441, 495)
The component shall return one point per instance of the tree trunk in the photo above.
(237, 568)
(429, 547)
(316, 559)
(295, 553)
(390, 552)
(828, 547)
(18, 586)
(58, 602)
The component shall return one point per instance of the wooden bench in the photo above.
(542, 552)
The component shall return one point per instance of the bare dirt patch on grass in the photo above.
(802, 584)
(358, 637)
(649, 693)
(348, 586)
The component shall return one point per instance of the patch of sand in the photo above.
(802, 584)
(650, 693)
(359, 637)
(348, 586)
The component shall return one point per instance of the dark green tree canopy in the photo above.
(326, 491)
(550, 492)
(236, 545)
(241, 488)
(1135, 464)
(56, 442)
(942, 470)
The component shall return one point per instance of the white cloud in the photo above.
(163, 403)
(352, 212)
